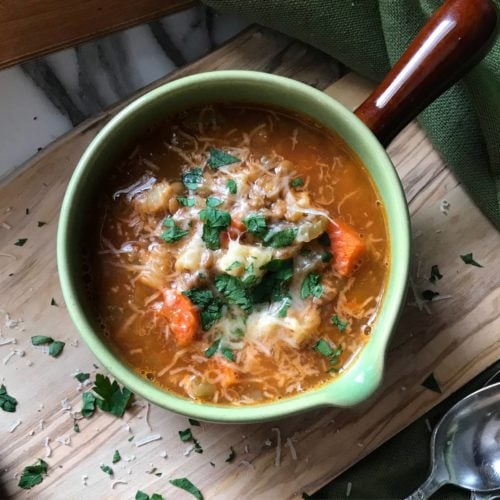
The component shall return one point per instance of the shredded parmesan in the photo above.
(189, 450)
(5, 341)
(147, 439)
(14, 426)
(85, 479)
(48, 449)
(277, 459)
(148, 408)
(65, 440)
(246, 463)
(6, 359)
(348, 490)
(117, 482)
(65, 405)
(290, 445)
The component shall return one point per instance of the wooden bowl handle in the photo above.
(454, 39)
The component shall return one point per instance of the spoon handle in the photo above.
(425, 490)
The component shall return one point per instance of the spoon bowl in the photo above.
(465, 446)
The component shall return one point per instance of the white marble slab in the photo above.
(42, 99)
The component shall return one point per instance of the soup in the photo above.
(240, 254)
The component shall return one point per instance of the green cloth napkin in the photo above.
(368, 36)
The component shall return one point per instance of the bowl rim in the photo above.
(351, 387)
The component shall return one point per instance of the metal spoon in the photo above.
(465, 447)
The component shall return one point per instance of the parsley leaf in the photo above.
(140, 495)
(324, 348)
(186, 485)
(249, 277)
(339, 323)
(210, 306)
(88, 404)
(326, 257)
(429, 295)
(234, 291)
(285, 305)
(7, 402)
(194, 422)
(297, 182)
(213, 202)
(228, 354)
(468, 259)
(186, 435)
(280, 238)
(107, 469)
(76, 427)
(115, 400)
(218, 159)
(215, 221)
(274, 285)
(234, 265)
(82, 377)
(231, 186)
(232, 455)
(186, 202)
(173, 232)
(212, 349)
(53, 302)
(41, 340)
(116, 457)
(20, 242)
(193, 178)
(56, 348)
(33, 474)
(256, 224)
(435, 274)
(311, 286)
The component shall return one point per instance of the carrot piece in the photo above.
(219, 365)
(347, 247)
(182, 316)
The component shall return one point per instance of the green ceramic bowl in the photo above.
(365, 372)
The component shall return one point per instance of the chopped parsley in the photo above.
(115, 400)
(140, 495)
(82, 377)
(256, 224)
(41, 223)
(435, 274)
(186, 202)
(231, 186)
(53, 302)
(274, 285)
(285, 305)
(323, 347)
(212, 349)
(56, 348)
(88, 404)
(107, 469)
(116, 457)
(210, 307)
(468, 259)
(20, 242)
(173, 232)
(218, 159)
(311, 286)
(339, 323)
(231, 456)
(185, 484)
(7, 402)
(326, 256)
(280, 238)
(234, 291)
(194, 422)
(41, 340)
(297, 182)
(215, 221)
(33, 474)
(192, 179)
(249, 277)
(214, 202)
(76, 427)
(228, 354)
(428, 295)
(234, 265)
(186, 435)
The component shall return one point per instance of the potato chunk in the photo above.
(191, 254)
(311, 227)
(157, 265)
(154, 199)
(239, 256)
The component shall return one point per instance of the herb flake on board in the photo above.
(185, 484)
(7, 402)
(468, 259)
(33, 474)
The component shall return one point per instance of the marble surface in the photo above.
(42, 99)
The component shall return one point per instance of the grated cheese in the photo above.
(349, 488)
(14, 426)
(7, 358)
(277, 459)
(293, 451)
(163, 454)
(117, 482)
(48, 449)
(65, 440)
(5, 341)
(148, 439)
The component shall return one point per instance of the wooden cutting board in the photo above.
(455, 341)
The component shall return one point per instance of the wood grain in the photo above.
(31, 28)
(456, 342)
